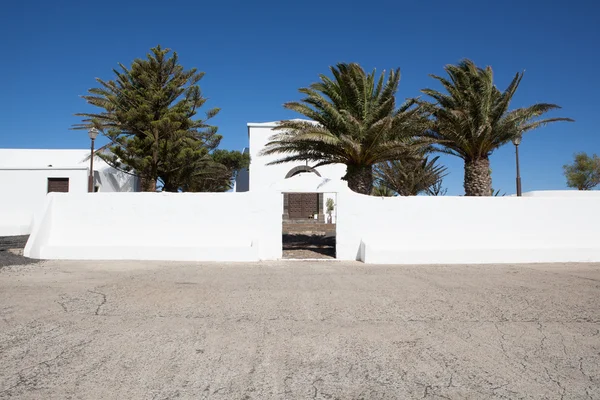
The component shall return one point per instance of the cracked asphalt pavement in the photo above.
(299, 330)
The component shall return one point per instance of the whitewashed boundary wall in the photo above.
(23, 194)
(451, 230)
(23, 191)
(159, 226)
(247, 227)
(564, 193)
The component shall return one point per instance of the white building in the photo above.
(27, 175)
(262, 176)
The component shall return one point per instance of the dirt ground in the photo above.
(298, 330)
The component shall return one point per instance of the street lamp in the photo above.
(517, 141)
(93, 133)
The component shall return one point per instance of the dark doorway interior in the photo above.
(309, 246)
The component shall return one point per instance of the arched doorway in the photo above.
(302, 206)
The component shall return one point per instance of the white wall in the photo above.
(262, 175)
(111, 180)
(23, 192)
(42, 158)
(159, 226)
(247, 227)
(563, 193)
(242, 181)
(449, 230)
(23, 181)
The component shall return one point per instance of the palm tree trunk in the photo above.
(360, 178)
(478, 179)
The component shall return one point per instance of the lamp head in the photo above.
(516, 140)
(93, 133)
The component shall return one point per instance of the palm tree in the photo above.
(354, 122)
(472, 119)
(437, 189)
(382, 190)
(411, 176)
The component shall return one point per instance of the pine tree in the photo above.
(149, 115)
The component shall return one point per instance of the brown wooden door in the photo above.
(303, 205)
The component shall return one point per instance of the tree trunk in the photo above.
(360, 178)
(478, 179)
(168, 187)
(147, 184)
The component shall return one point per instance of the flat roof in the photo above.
(42, 158)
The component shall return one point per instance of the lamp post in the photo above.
(93, 133)
(517, 141)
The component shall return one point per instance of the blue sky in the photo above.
(257, 54)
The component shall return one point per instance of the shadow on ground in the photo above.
(303, 246)
(11, 250)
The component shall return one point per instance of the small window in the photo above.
(58, 185)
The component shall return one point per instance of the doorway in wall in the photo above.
(309, 225)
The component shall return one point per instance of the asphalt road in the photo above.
(298, 330)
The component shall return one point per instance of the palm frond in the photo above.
(357, 120)
(472, 118)
(411, 176)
